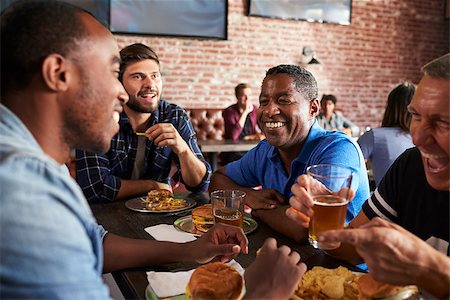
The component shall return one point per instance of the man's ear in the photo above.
(314, 107)
(56, 72)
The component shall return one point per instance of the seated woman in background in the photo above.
(382, 146)
(330, 120)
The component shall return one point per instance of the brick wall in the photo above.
(386, 43)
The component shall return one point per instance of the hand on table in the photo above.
(274, 274)
(302, 202)
(165, 134)
(222, 241)
(392, 254)
(264, 199)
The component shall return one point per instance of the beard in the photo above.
(84, 125)
(135, 105)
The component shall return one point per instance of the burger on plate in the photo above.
(372, 289)
(202, 218)
(215, 281)
(155, 196)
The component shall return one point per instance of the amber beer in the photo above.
(329, 214)
(230, 216)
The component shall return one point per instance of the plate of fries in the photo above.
(169, 204)
(322, 283)
(341, 283)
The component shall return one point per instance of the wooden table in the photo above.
(213, 147)
(116, 218)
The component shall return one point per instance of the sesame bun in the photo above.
(202, 218)
(215, 281)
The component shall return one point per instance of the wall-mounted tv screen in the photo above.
(98, 8)
(190, 18)
(324, 11)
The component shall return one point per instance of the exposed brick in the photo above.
(386, 43)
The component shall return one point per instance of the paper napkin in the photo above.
(166, 232)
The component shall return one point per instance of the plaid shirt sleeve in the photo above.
(187, 132)
(94, 177)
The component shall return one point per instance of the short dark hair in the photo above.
(330, 97)
(438, 68)
(134, 53)
(28, 36)
(396, 113)
(304, 81)
(240, 87)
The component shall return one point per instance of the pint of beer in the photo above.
(329, 186)
(329, 214)
(228, 207)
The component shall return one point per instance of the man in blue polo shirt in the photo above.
(294, 141)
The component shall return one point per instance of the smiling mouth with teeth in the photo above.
(272, 125)
(435, 163)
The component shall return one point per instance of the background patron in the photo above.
(329, 119)
(381, 146)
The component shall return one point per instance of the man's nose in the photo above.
(271, 109)
(123, 95)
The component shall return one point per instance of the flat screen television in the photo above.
(98, 8)
(190, 18)
(323, 11)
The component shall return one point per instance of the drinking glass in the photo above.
(228, 207)
(330, 189)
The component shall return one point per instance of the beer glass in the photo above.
(329, 188)
(228, 207)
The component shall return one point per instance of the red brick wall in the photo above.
(385, 44)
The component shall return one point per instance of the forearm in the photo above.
(219, 181)
(242, 119)
(435, 275)
(193, 170)
(133, 188)
(277, 220)
(122, 253)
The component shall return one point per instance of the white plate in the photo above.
(139, 204)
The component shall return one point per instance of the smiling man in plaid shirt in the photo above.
(136, 164)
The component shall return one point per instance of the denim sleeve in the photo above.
(187, 132)
(95, 178)
(50, 244)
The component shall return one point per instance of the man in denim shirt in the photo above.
(53, 56)
(136, 164)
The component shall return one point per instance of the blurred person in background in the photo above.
(329, 119)
(240, 121)
(381, 146)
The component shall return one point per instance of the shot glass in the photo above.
(330, 188)
(228, 207)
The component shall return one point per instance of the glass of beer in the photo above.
(228, 207)
(329, 187)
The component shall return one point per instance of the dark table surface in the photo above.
(118, 219)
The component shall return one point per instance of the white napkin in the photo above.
(168, 233)
(168, 284)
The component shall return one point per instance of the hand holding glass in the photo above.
(330, 189)
(228, 207)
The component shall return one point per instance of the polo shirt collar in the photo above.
(310, 144)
